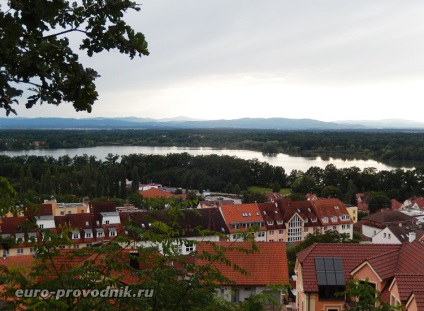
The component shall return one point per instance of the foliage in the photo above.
(253, 197)
(365, 297)
(331, 192)
(378, 201)
(36, 48)
(7, 195)
(177, 281)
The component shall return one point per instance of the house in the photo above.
(190, 226)
(266, 267)
(241, 217)
(374, 223)
(396, 234)
(158, 193)
(274, 222)
(322, 270)
(305, 217)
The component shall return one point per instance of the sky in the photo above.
(328, 60)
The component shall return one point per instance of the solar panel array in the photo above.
(329, 271)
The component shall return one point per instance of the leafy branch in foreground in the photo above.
(35, 52)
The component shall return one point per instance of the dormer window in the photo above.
(75, 234)
(325, 219)
(280, 222)
(336, 207)
(270, 222)
(306, 220)
(314, 220)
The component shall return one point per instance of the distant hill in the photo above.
(187, 123)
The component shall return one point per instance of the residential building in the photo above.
(267, 266)
(322, 270)
(374, 223)
(241, 218)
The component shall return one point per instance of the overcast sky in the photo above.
(225, 59)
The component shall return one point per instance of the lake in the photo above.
(289, 163)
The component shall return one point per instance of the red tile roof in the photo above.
(330, 208)
(241, 213)
(418, 296)
(157, 193)
(352, 256)
(266, 267)
(408, 283)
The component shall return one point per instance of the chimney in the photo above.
(412, 236)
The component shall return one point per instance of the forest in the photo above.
(40, 177)
(389, 147)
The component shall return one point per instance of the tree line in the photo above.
(384, 146)
(119, 176)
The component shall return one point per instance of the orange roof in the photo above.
(257, 264)
(241, 213)
(157, 193)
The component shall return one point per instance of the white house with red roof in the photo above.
(244, 218)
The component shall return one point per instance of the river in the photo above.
(289, 163)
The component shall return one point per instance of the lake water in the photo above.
(289, 163)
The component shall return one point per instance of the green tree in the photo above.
(35, 53)
(178, 283)
(7, 196)
(378, 201)
(365, 297)
(331, 192)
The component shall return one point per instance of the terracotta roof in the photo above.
(384, 264)
(411, 258)
(408, 283)
(157, 193)
(386, 217)
(266, 267)
(17, 261)
(418, 296)
(402, 232)
(271, 213)
(396, 205)
(330, 208)
(303, 208)
(241, 213)
(352, 256)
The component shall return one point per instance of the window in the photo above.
(271, 240)
(75, 235)
(305, 229)
(295, 229)
(271, 232)
(31, 250)
(348, 226)
(343, 227)
(20, 251)
(61, 246)
(334, 228)
(41, 226)
(112, 233)
(325, 228)
(76, 245)
(88, 235)
(189, 248)
(261, 234)
(280, 231)
(270, 222)
(324, 220)
(280, 222)
(280, 240)
(106, 222)
(235, 226)
(384, 234)
(62, 213)
(390, 235)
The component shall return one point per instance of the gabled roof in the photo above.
(157, 193)
(330, 208)
(352, 256)
(303, 208)
(418, 297)
(241, 213)
(266, 267)
(271, 213)
(396, 205)
(386, 217)
(408, 283)
(402, 232)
